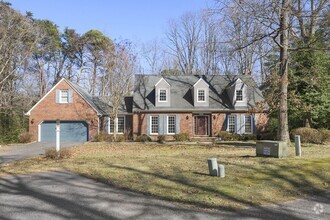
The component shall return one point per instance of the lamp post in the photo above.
(58, 135)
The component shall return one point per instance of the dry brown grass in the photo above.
(180, 173)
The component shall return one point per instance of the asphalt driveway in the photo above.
(64, 195)
(18, 152)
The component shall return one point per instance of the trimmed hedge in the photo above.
(307, 135)
(325, 135)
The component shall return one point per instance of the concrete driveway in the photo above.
(18, 152)
(63, 195)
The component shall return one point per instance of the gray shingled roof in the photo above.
(100, 104)
(181, 94)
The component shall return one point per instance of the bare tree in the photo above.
(184, 36)
(119, 72)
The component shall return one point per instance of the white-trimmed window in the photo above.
(64, 96)
(154, 124)
(232, 123)
(201, 95)
(239, 95)
(121, 125)
(171, 124)
(248, 124)
(162, 95)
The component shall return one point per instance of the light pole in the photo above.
(58, 135)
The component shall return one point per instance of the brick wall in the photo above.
(186, 123)
(48, 109)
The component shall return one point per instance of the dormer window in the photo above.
(64, 96)
(201, 95)
(239, 95)
(162, 95)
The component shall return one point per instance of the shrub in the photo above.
(325, 135)
(266, 136)
(143, 138)
(226, 136)
(248, 137)
(181, 137)
(99, 138)
(25, 137)
(64, 153)
(161, 138)
(307, 135)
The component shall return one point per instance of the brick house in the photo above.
(81, 115)
(196, 105)
(160, 105)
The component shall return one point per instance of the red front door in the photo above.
(201, 125)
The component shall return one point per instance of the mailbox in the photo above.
(277, 149)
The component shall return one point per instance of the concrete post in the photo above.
(221, 169)
(213, 166)
(58, 136)
(297, 145)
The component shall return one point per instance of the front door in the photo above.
(201, 125)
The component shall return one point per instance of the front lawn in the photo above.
(180, 173)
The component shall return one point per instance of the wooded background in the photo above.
(283, 44)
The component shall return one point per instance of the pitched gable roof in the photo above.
(99, 104)
(181, 94)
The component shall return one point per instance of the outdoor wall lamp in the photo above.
(214, 117)
(187, 117)
(32, 121)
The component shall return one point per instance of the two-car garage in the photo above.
(70, 131)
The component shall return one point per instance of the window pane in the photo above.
(112, 126)
(154, 124)
(64, 96)
(201, 95)
(239, 95)
(162, 95)
(121, 125)
(171, 125)
(231, 123)
(248, 124)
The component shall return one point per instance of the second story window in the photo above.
(201, 95)
(162, 95)
(239, 95)
(64, 96)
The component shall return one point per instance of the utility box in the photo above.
(277, 149)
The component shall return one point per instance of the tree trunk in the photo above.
(115, 128)
(283, 131)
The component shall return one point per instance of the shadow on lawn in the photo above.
(65, 195)
(302, 185)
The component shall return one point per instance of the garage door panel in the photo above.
(71, 131)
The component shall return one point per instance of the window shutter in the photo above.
(225, 123)
(236, 124)
(177, 124)
(165, 124)
(148, 124)
(70, 94)
(161, 124)
(58, 96)
(107, 124)
(254, 124)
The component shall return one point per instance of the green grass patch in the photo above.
(180, 173)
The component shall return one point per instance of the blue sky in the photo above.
(138, 21)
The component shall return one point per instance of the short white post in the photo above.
(58, 135)
(297, 145)
(221, 169)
